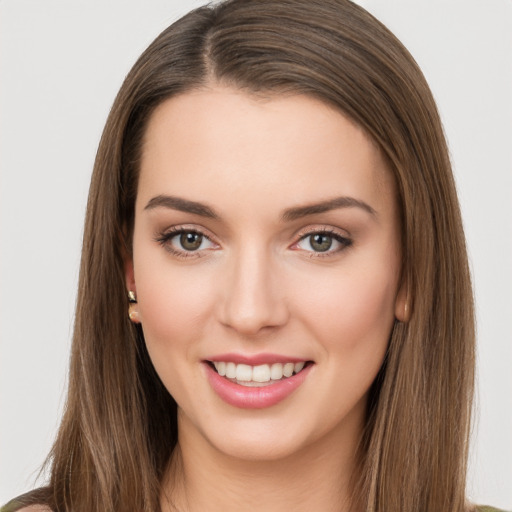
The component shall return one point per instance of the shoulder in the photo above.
(17, 507)
(33, 501)
(488, 509)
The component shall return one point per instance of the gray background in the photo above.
(61, 64)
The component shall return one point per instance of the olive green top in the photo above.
(11, 506)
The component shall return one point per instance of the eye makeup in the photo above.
(185, 241)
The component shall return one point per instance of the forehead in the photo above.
(281, 149)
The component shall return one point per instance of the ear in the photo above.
(127, 255)
(133, 309)
(402, 304)
(129, 276)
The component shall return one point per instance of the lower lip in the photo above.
(246, 397)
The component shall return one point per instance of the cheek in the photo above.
(352, 312)
(174, 301)
(175, 310)
(351, 321)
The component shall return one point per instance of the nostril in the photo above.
(252, 303)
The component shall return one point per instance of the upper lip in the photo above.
(255, 359)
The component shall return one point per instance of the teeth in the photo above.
(261, 373)
(243, 372)
(221, 368)
(288, 369)
(257, 374)
(231, 370)
(276, 371)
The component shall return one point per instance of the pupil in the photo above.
(191, 241)
(321, 243)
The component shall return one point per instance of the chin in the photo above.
(276, 434)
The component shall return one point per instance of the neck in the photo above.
(318, 477)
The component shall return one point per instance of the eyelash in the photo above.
(344, 241)
(165, 238)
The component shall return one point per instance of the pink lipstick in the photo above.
(259, 391)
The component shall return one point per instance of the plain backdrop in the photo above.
(61, 64)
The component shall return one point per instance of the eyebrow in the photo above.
(290, 214)
(182, 205)
(325, 206)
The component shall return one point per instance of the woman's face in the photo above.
(266, 241)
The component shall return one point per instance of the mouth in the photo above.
(257, 375)
(264, 383)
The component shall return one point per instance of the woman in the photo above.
(274, 277)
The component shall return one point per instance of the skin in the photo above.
(256, 285)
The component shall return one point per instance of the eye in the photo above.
(185, 242)
(190, 240)
(323, 242)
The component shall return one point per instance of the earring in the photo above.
(132, 299)
(403, 306)
(133, 314)
(407, 312)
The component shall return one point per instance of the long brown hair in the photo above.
(119, 427)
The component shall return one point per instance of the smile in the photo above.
(254, 376)
(256, 386)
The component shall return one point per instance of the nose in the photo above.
(252, 299)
